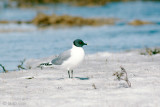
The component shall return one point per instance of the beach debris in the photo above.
(94, 86)
(20, 67)
(122, 76)
(30, 78)
(43, 20)
(29, 67)
(151, 52)
(139, 22)
(30, 3)
(4, 70)
(4, 22)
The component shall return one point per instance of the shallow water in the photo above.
(27, 41)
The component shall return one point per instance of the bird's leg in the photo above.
(68, 73)
(72, 74)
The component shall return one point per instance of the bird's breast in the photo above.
(77, 53)
(77, 56)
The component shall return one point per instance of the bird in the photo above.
(69, 59)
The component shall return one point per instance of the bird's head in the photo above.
(79, 43)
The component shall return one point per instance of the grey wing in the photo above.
(61, 58)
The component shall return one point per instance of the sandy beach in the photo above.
(93, 84)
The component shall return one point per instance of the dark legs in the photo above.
(70, 76)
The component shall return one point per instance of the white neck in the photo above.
(73, 46)
(77, 49)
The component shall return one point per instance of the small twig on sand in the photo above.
(4, 70)
(94, 86)
(126, 77)
(120, 76)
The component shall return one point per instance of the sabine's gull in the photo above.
(71, 58)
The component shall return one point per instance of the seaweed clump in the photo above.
(43, 20)
(28, 3)
(139, 22)
(4, 70)
(149, 51)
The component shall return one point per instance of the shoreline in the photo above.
(28, 64)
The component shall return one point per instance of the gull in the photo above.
(69, 59)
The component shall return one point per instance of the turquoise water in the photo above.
(30, 42)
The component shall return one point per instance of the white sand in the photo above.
(53, 88)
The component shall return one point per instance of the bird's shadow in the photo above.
(82, 78)
(60, 79)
